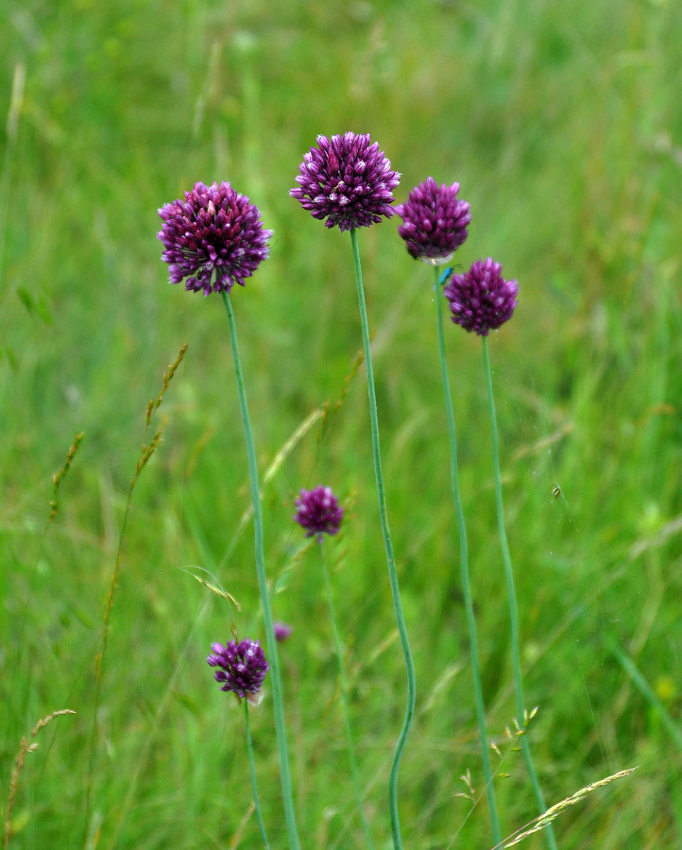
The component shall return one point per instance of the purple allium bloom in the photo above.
(282, 631)
(347, 180)
(319, 512)
(435, 222)
(243, 666)
(215, 236)
(481, 300)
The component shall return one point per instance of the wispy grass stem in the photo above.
(464, 569)
(273, 657)
(13, 113)
(390, 557)
(147, 451)
(511, 596)
(343, 681)
(26, 747)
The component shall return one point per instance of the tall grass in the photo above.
(562, 124)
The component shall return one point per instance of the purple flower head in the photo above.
(214, 238)
(347, 180)
(319, 512)
(435, 222)
(282, 631)
(242, 667)
(481, 300)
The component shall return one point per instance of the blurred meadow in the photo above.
(562, 123)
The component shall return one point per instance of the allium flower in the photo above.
(215, 236)
(481, 300)
(435, 222)
(282, 631)
(346, 180)
(318, 511)
(243, 666)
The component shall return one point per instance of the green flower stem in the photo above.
(511, 595)
(273, 658)
(344, 696)
(390, 557)
(464, 572)
(254, 784)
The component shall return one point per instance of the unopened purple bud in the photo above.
(318, 511)
(282, 631)
(242, 666)
(435, 222)
(481, 299)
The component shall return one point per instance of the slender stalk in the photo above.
(273, 657)
(254, 784)
(511, 595)
(464, 572)
(390, 557)
(344, 697)
(99, 665)
(146, 452)
(20, 643)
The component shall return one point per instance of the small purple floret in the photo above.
(481, 300)
(347, 180)
(435, 222)
(318, 512)
(282, 631)
(214, 238)
(243, 666)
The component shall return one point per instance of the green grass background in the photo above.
(562, 123)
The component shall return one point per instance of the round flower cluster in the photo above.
(347, 180)
(214, 238)
(242, 666)
(435, 221)
(481, 299)
(318, 511)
